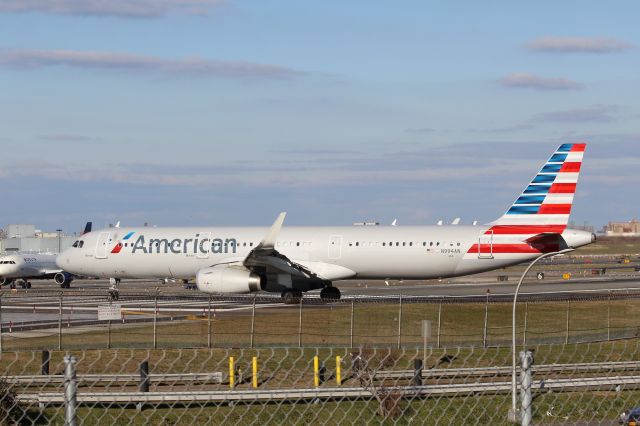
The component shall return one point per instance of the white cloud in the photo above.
(122, 8)
(194, 66)
(530, 81)
(578, 45)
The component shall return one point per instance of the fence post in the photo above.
(60, 323)
(417, 372)
(0, 323)
(70, 390)
(145, 381)
(338, 371)
(109, 334)
(566, 337)
(400, 322)
(486, 320)
(253, 318)
(155, 322)
(209, 325)
(46, 358)
(300, 323)
(144, 376)
(609, 316)
(526, 314)
(439, 317)
(351, 326)
(526, 360)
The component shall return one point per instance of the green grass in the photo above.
(373, 325)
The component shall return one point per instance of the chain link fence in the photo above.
(64, 320)
(577, 383)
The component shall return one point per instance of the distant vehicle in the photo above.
(291, 260)
(19, 269)
(632, 418)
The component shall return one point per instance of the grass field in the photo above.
(373, 325)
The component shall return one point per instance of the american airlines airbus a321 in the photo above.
(291, 260)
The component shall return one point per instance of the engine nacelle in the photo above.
(228, 279)
(63, 278)
(5, 281)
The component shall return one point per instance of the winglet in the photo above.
(270, 240)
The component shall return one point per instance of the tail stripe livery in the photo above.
(547, 200)
(542, 209)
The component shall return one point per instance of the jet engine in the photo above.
(228, 279)
(64, 279)
(5, 281)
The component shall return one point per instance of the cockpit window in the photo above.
(81, 244)
(75, 244)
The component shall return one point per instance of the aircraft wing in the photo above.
(267, 257)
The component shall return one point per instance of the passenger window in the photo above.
(384, 244)
(404, 244)
(397, 244)
(357, 244)
(411, 244)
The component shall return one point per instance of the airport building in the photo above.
(622, 229)
(27, 239)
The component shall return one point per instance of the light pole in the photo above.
(514, 387)
(59, 231)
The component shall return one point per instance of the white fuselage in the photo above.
(28, 266)
(373, 252)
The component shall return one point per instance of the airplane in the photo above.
(293, 260)
(20, 268)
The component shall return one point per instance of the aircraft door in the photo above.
(335, 247)
(102, 245)
(204, 245)
(485, 246)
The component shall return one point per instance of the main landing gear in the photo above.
(114, 293)
(330, 294)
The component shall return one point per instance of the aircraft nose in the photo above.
(62, 259)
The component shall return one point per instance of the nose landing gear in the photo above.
(114, 293)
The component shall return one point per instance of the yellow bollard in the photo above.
(254, 379)
(232, 373)
(316, 371)
(338, 375)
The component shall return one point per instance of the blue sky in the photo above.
(229, 111)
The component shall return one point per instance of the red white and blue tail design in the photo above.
(538, 217)
(545, 204)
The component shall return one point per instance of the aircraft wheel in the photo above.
(540, 276)
(28, 285)
(12, 286)
(330, 294)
